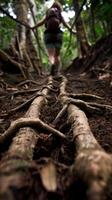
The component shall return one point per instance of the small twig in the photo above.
(60, 115)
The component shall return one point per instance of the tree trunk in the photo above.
(93, 23)
(32, 6)
(81, 34)
(21, 47)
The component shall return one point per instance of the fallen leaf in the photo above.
(48, 176)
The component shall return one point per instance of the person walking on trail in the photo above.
(53, 35)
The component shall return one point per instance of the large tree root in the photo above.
(16, 165)
(35, 123)
(93, 166)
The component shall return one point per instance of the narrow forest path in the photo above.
(56, 140)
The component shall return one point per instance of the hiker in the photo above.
(53, 35)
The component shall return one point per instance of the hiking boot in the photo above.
(54, 70)
(59, 69)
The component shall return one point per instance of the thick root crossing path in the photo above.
(51, 152)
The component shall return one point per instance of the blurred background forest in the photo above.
(95, 16)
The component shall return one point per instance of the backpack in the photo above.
(53, 19)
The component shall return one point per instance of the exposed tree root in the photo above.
(29, 81)
(29, 122)
(15, 167)
(18, 92)
(91, 107)
(51, 89)
(92, 166)
(101, 70)
(84, 96)
(102, 106)
(24, 104)
(82, 104)
(3, 84)
(16, 178)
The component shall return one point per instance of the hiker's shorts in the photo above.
(53, 39)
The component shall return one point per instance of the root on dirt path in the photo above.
(35, 123)
(16, 165)
(92, 166)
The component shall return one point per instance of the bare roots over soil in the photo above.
(51, 151)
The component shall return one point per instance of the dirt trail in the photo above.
(60, 146)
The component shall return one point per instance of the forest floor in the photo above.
(51, 154)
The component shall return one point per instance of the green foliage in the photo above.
(102, 14)
(7, 31)
(104, 11)
(6, 3)
(66, 2)
(7, 25)
(99, 30)
(69, 48)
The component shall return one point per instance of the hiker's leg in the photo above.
(51, 55)
(57, 57)
(58, 45)
(55, 67)
(57, 61)
(50, 48)
(53, 44)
